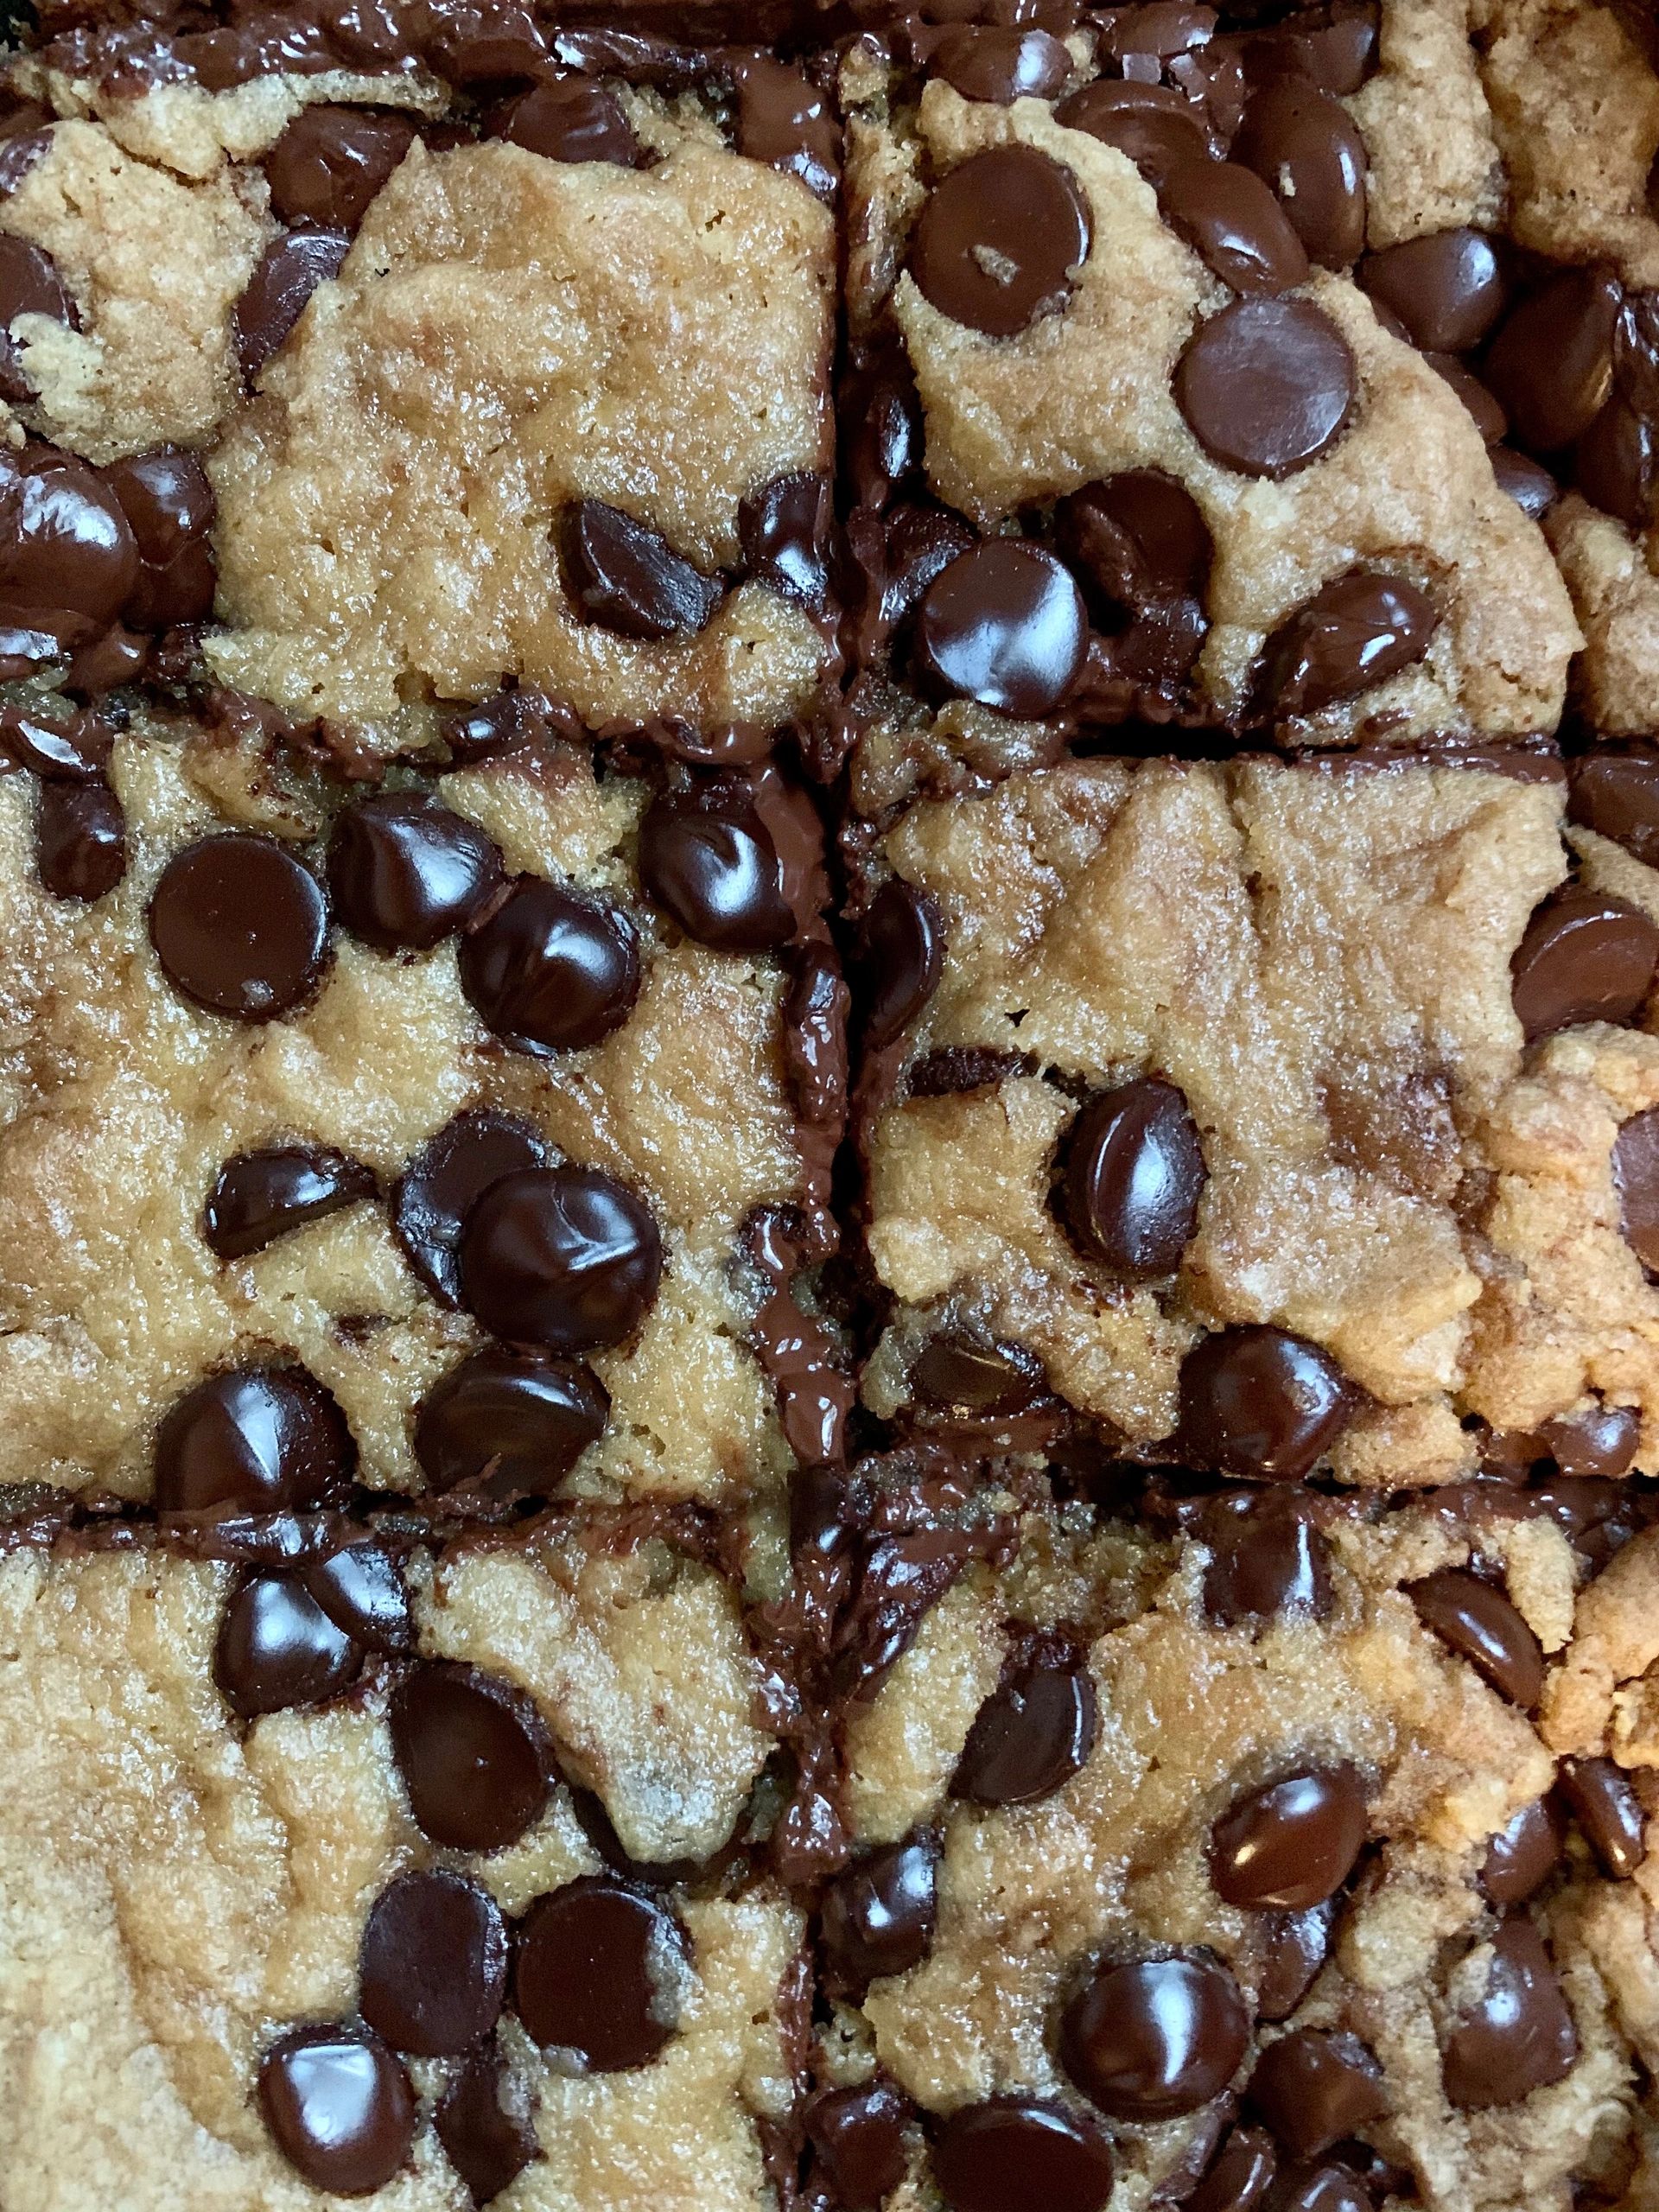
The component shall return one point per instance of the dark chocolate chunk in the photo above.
(330, 163)
(252, 1441)
(1004, 624)
(1239, 2177)
(626, 577)
(488, 2146)
(65, 545)
(1231, 218)
(957, 1374)
(1617, 795)
(1313, 2089)
(549, 973)
(1155, 2037)
(1138, 538)
(1293, 1844)
(1266, 385)
(510, 1424)
(1308, 148)
(1290, 1949)
(277, 1648)
(1551, 363)
(362, 1588)
(1523, 1855)
(1635, 1178)
(565, 1258)
(240, 926)
(900, 959)
(1157, 127)
(1355, 632)
(432, 1969)
(595, 1971)
(989, 62)
(80, 841)
(1031, 1735)
(1616, 461)
(29, 284)
(784, 533)
(999, 240)
(1601, 1799)
(858, 2139)
(1134, 1175)
(474, 1754)
(1326, 2185)
(279, 290)
(406, 872)
(879, 1913)
(1481, 1626)
(1527, 482)
(260, 1196)
(1013, 2153)
(338, 2107)
(710, 862)
(1447, 287)
(567, 119)
(1586, 957)
(444, 1182)
(783, 118)
(1519, 2036)
(169, 506)
(1273, 1560)
(1258, 1401)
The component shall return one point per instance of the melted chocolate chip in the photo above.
(1523, 1856)
(1354, 633)
(252, 1441)
(1004, 624)
(362, 1589)
(1306, 146)
(260, 1196)
(1519, 2036)
(338, 2107)
(1015, 2152)
(709, 861)
(330, 163)
(240, 926)
(549, 973)
(1551, 363)
(999, 240)
(1031, 1735)
(1157, 127)
(1617, 795)
(432, 1971)
(1481, 1626)
(1138, 538)
(169, 506)
(1239, 2177)
(1586, 957)
(1290, 1948)
(1155, 2037)
(880, 1913)
(783, 118)
(1447, 287)
(80, 841)
(595, 1971)
(474, 1756)
(66, 546)
(900, 959)
(76, 750)
(404, 872)
(1293, 1844)
(509, 1424)
(626, 576)
(1266, 385)
(277, 1648)
(1272, 1560)
(1635, 1178)
(569, 119)
(987, 62)
(1312, 2089)
(1229, 218)
(859, 2137)
(784, 533)
(289, 270)
(1600, 1796)
(1600, 1441)
(1532, 487)
(1258, 1401)
(444, 1182)
(1134, 1175)
(29, 284)
(957, 1374)
(566, 1257)
(488, 2146)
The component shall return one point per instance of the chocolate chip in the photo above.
(488, 2146)
(65, 543)
(859, 2137)
(1290, 1949)
(80, 841)
(276, 1648)
(1586, 957)
(1551, 363)
(1273, 1560)
(1134, 1175)
(566, 1257)
(338, 2107)
(444, 1182)
(1446, 288)
(1312, 2089)
(75, 750)
(1293, 1844)
(1004, 624)
(330, 163)
(711, 863)
(783, 118)
(1636, 1180)
(879, 1913)
(169, 506)
(240, 926)
(1229, 217)
(900, 959)
(1157, 127)
(289, 270)
(1139, 536)
(1155, 2037)
(432, 1970)
(1602, 1440)
(999, 241)
(1266, 385)
(1600, 1796)
(510, 1424)
(549, 973)
(1258, 1401)
(1328, 2186)
(595, 1972)
(1481, 1626)
(1480, 403)
(1532, 487)
(404, 872)
(1306, 146)
(1355, 632)
(1031, 1735)
(29, 284)
(1522, 1856)
(1617, 795)
(784, 533)
(260, 1196)
(1014, 2153)
(569, 119)
(361, 1589)
(1518, 2037)
(1616, 461)
(956, 1373)
(626, 577)
(474, 1756)
(986, 62)
(1239, 2177)
(252, 1441)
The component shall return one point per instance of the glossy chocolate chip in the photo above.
(858, 2139)
(510, 1423)
(169, 506)
(988, 62)
(565, 1258)
(1004, 624)
(1324, 2185)
(1031, 1735)
(260, 1196)
(1134, 1175)
(1157, 127)
(1292, 1844)
(1273, 1560)
(1635, 1178)
(1229, 218)
(1305, 145)
(277, 1648)
(65, 543)
(1239, 2177)
(1000, 240)
(406, 872)
(1527, 482)
(1313, 2089)
(879, 1913)
(569, 119)
(252, 1441)
(1481, 1626)
(474, 1756)
(330, 163)
(1258, 1401)
(784, 119)
(1601, 1441)
(432, 1969)
(711, 864)
(549, 973)
(1551, 363)
(1139, 537)
(444, 1182)
(1155, 2037)
(289, 270)
(240, 926)
(1600, 1798)
(1290, 1949)
(1447, 287)
(488, 2145)
(1522, 1856)
(1586, 957)
(596, 1971)
(339, 2107)
(29, 284)
(960, 1375)
(1518, 2037)
(80, 841)
(362, 1588)
(1015, 2152)
(1480, 402)
(626, 576)
(900, 959)
(1354, 633)
(784, 530)
(1266, 385)
(1617, 795)
(1616, 462)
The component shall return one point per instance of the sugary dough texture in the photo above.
(1430, 160)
